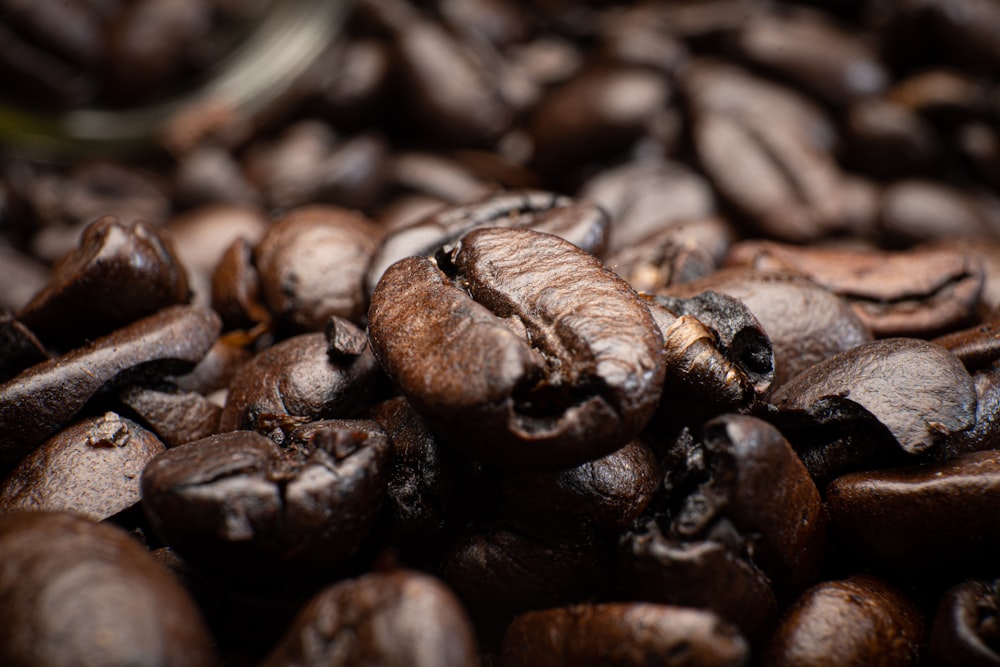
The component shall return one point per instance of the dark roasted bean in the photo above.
(238, 504)
(85, 298)
(396, 619)
(866, 406)
(175, 416)
(19, 348)
(91, 468)
(918, 292)
(964, 631)
(856, 621)
(44, 398)
(311, 265)
(585, 384)
(922, 517)
(67, 581)
(623, 635)
(299, 380)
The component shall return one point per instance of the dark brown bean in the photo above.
(918, 292)
(44, 398)
(623, 635)
(19, 348)
(860, 620)
(964, 631)
(396, 619)
(868, 405)
(66, 582)
(118, 274)
(922, 518)
(90, 468)
(175, 416)
(458, 349)
(235, 503)
(299, 380)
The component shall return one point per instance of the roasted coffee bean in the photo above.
(919, 292)
(610, 492)
(175, 416)
(917, 211)
(394, 619)
(964, 631)
(860, 620)
(700, 574)
(79, 593)
(499, 573)
(211, 176)
(91, 468)
(644, 199)
(887, 140)
(521, 350)
(44, 398)
(236, 289)
(921, 518)
(598, 113)
(301, 379)
(201, 236)
(681, 253)
(236, 503)
(977, 346)
(870, 404)
(624, 635)
(447, 91)
(311, 265)
(428, 479)
(580, 223)
(309, 164)
(216, 369)
(19, 348)
(805, 323)
(85, 298)
(817, 54)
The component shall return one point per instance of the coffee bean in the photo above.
(66, 581)
(299, 380)
(887, 289)
(870, 404)
(804, 322)
(19, 348)
(311, 265)
(964, 630)
(236, 289)
(237, 504)
(587, 382)
(394, 618)
(44, 398)
(921, 518)
(580, 223)
(176, 417)
(86, 287)
(623, 634)
(91, 468)
(874, 624)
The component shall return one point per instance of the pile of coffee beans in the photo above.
(526, 332)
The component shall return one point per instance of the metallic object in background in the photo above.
(246, 83)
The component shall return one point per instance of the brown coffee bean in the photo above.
(918, 292)
(394, 619)
(860, 620)
(19, 348)
(91, 468)
(622, 634)
(887, 140)
(176, 417)
(985, 433)
(804, 322)
(870, 404)
(916, 211)
(237, 504)
(964, 630)
(579, 222)
(66, 581)
(311, 264)
(456, 342)
(645, 199)
(299, 380)
(44, 398)
(85, 298)
(921, 518)
(236, 289)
